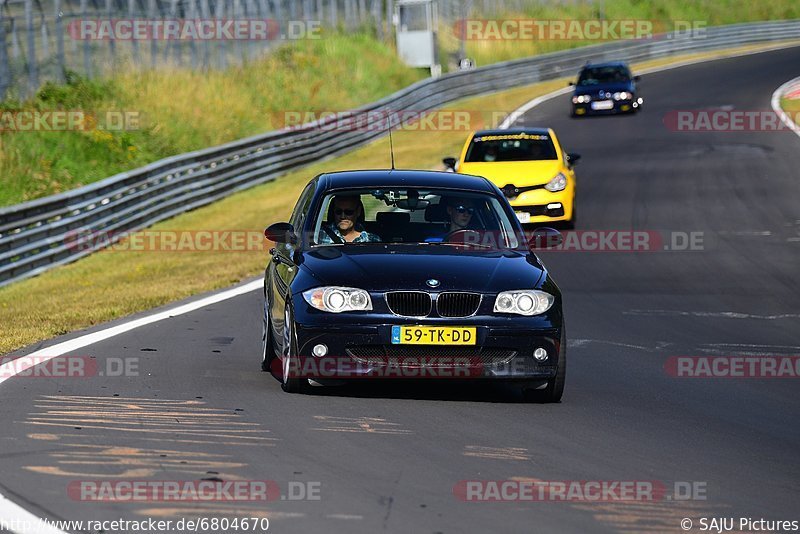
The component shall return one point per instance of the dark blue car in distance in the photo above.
(410, 274)
(605, 89)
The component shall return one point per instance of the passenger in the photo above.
(345, 216)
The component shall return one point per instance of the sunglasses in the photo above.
(462, 210)
(348, 213)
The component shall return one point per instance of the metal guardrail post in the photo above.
(5, 69)
(61, 60)
(87, 50)
(33, 65)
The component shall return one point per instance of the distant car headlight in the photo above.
(523, 302)
(336, 299)
(624, 95)
(580, 99)
(558, 183)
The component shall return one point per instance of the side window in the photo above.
(302, 206)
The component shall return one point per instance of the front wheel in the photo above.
(291, 382)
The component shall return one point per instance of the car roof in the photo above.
(606, 64)
(404, 178)
(512, 131)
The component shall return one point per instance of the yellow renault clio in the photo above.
(529, 166)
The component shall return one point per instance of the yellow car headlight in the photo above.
(558, 183)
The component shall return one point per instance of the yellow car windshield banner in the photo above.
(511, 137)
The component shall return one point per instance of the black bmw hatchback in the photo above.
(605, 88)
(410, 274)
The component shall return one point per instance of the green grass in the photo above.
(662, 12)
(792, 108)
(182, 110)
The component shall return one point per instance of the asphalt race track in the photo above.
(387, 458)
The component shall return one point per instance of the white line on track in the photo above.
(527, 106)
(12, 368)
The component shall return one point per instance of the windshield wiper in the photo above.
(460, 244)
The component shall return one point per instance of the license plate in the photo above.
(523, 216)
(603, 104)
(433, 335)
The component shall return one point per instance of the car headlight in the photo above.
(336, 299)
(523, 302)
(624, 95)
(580, 99)
(558, 183)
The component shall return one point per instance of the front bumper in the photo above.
(542, 206)
(617, 106)
(366, 351)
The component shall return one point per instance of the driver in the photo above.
(346, 213)
(460, 211)
(491, 153)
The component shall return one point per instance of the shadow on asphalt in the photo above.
(431, 389)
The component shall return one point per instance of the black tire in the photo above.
(555, 387)
(268, 352)
(289, 364)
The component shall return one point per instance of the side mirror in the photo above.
(450, 163)
(544, 238)
(572, 158)
(281, 232)
(571, 83)
(637, 78)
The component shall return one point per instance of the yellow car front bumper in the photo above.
(542, 206)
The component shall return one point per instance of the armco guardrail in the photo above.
(39, 235)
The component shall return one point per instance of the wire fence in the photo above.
(41, 40)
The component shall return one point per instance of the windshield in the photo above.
(413, 216)
(511, 147)
(598, 75)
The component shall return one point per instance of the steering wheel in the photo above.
(463, 236)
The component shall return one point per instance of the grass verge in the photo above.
(792, 108)
(180, 110)
(108, 285)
